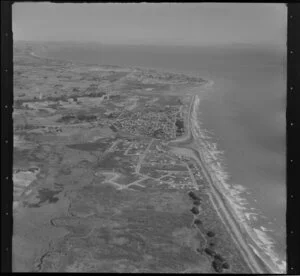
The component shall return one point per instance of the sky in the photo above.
(152, 23)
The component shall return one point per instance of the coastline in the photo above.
(218, 197)
(215, 198)
(242, 234)
(160, 71)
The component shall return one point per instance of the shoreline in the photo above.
(242, 235)
(187, 142)
(158, 70)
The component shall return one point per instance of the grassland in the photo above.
(98, 184)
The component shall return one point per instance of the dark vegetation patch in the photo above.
(115, 97)
(65, 170)
(93, 87)
(179, 127)
(45, 195)
(223, 241)
(88, 146)
(193, 196)
(70, 118)
(25, 127)
(83, 117)
(217, 266)
(20, 155)
(197, 222)
(219, 263)
(54, 105)
(195, 210)
(117, 162)
(212, 244)
(66, 118)
(113, 128)
(33, 169)
(18, 102)
(197, 202)
(112, 115)
(85, 164)
(159, 134)
(226, 265)
(58, 186)
(218, 257)
(210, 234)
(210, 252)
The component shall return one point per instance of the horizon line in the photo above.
(153, 44)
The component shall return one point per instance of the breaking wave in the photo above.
(258, 239)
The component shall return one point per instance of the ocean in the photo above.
(242, 114)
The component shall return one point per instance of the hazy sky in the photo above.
(146, 23)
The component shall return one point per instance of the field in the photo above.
(96, 186)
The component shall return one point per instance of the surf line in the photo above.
(218, 201)
(266, 260)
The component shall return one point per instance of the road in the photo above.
(189, 142)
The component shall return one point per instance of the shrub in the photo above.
(197, 222)
(210, 234)
(225, 265)
(217, 266)
(195, 210)
(197, 202)
(193, 196)
(210, 252)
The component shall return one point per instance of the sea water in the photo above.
(242, 116)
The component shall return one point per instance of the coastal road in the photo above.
(193, 149)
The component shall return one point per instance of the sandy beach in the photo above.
(190, 145)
